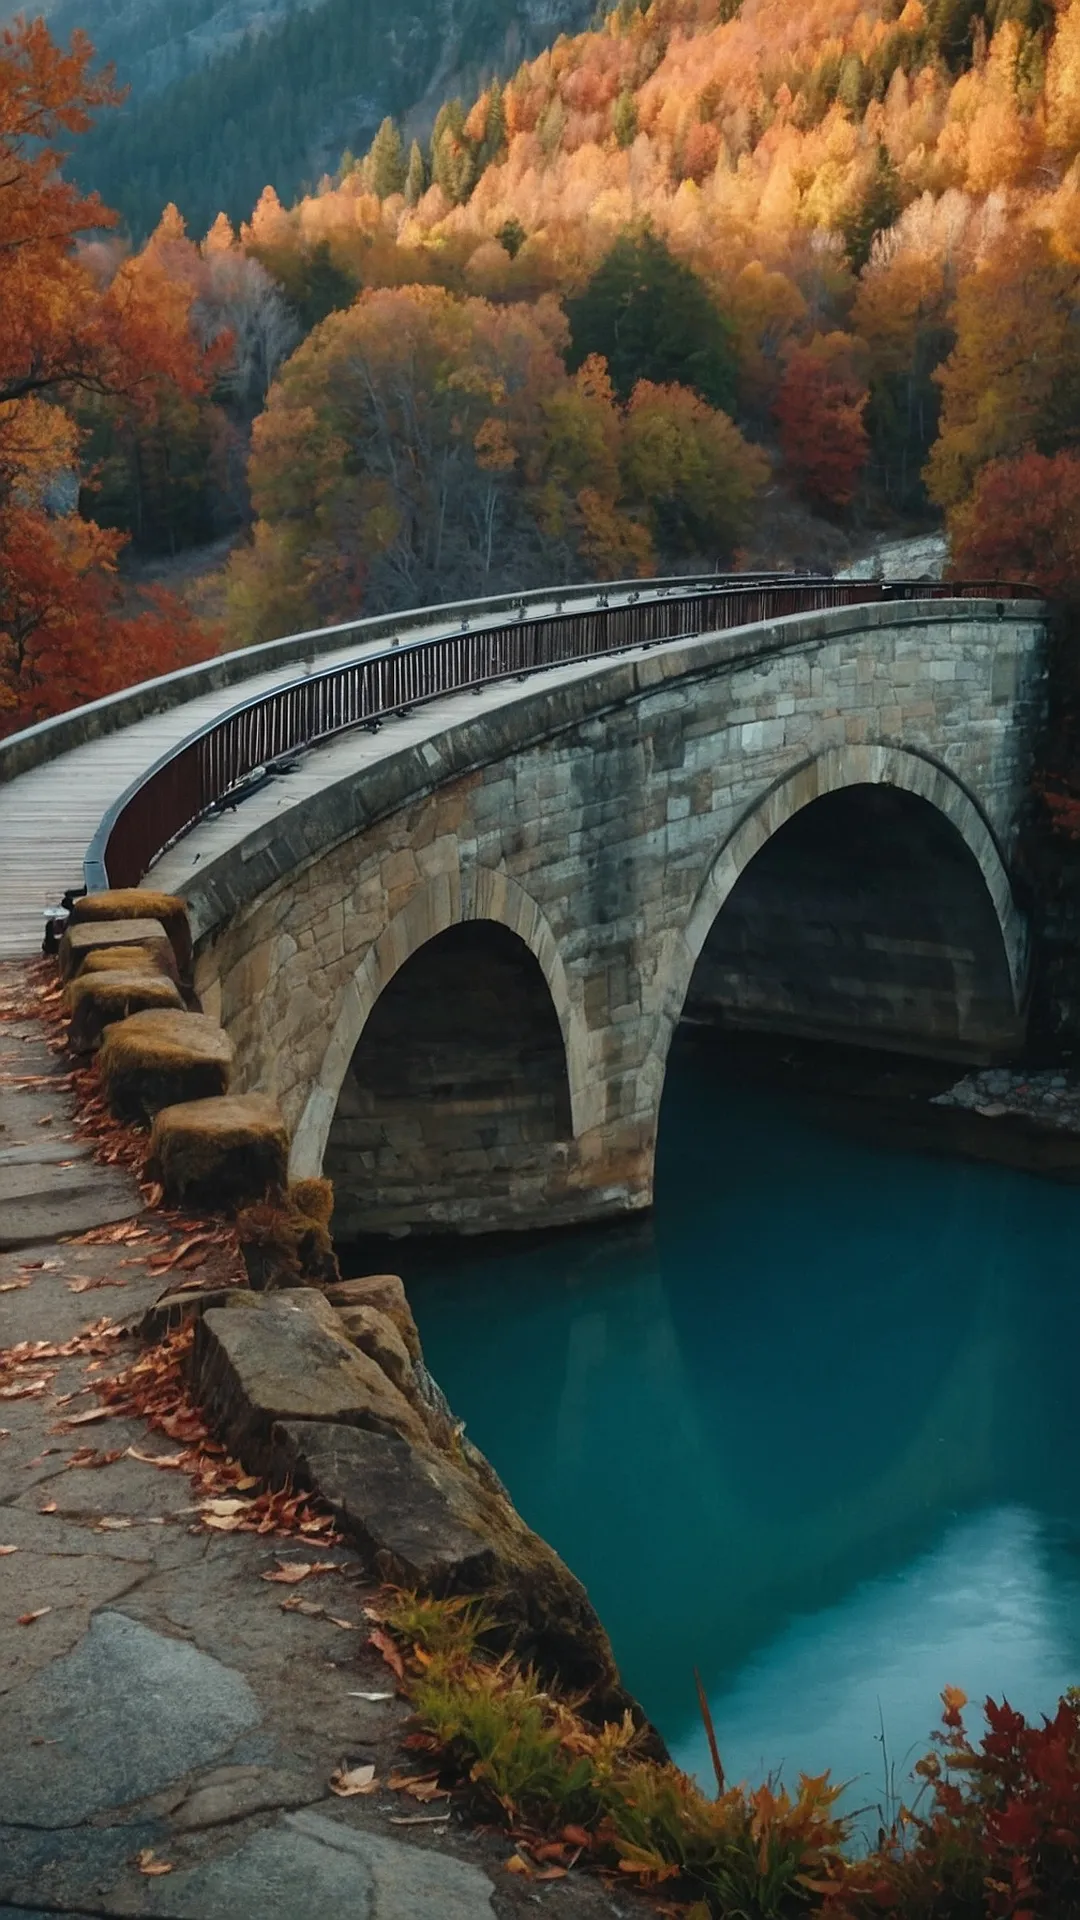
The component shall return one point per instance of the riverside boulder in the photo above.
(286, 1357)
(386, 1291)
(428, 1521)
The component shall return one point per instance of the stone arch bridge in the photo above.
(456, 948)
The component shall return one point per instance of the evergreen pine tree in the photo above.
(652, 318)
(416, 177)
(879, 207)
(624, 118)
(384, 167)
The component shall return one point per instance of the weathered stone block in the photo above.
(82, 939)
(220, 1153)
(386, 1292)
(428, 1522)
(141, 903)
(154, 1060)
(287, 1358)
(375, 1334)
(97, 1000)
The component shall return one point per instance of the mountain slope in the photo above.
(226, 98)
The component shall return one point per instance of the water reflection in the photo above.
(811, 1429)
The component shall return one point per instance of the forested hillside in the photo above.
(228, 94)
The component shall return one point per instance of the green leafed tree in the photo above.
(652, 318)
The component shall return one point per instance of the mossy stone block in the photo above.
(141, 903)
(220, 1153)
(148, 934)
(154, 1060)
(122, 960)
(98, 1000)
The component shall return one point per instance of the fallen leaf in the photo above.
(4, 1550)
(577, 1836)
(350, 1780)
(225, 1508)
(27, 1619)
(49, 1507)
(294, 1604)
(551, 1873)
(12, 1286)
(84, 1419)
(516, 1864)
(351, 1695)
(289, 1572)
(222, 1522)
(147, 1862)
(353, 1626)
(383, 1644)
(90, 1286)
(23, 1389)
(114, 1522)
(158, 1459)
(419, 1819)
(422, 1787)
(89, 1457)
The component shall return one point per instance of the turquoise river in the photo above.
(812, 1428)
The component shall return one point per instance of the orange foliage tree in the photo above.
(1022, 522)
(62, 639)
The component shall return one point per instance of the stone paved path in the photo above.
(165, 1703)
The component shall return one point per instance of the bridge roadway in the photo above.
(49, 811)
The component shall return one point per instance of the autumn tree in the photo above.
(1012, 379)
(651, 318)
(1022, 522)
(691, 472)
(64, 634)
(819, 411)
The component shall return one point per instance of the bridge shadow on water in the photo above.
(811, 1427)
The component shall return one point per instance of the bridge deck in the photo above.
(48, 815)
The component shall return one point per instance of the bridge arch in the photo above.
(835, 771)
(455, 899)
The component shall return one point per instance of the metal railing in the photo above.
(222, 758)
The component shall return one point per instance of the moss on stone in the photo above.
(97, 1000)
(146, 935)
(141, 903)
(154, 1060)
(121, 960)
(222, 1153)
(285, 1239)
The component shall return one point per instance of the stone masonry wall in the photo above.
(605, 822)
